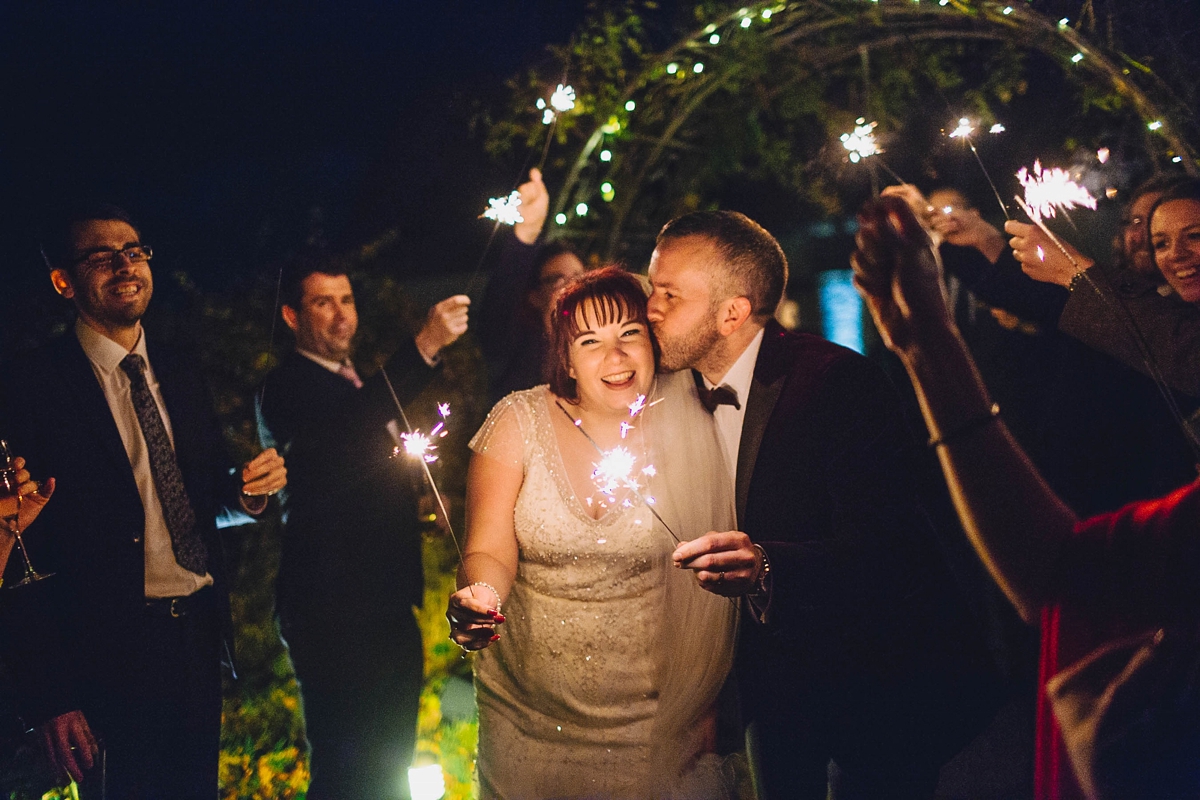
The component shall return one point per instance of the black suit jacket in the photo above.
(867, 650)
(67, 638)
(352, 550)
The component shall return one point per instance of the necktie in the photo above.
(347, 372)
(721, 395)
(189, 548)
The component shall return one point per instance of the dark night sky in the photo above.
(221, 125)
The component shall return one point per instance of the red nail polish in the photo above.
(495, 637)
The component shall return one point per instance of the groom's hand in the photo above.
(725, 563)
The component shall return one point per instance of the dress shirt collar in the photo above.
(102, 351)
(327, 363)
(741, 373)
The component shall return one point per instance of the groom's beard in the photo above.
(689, 348)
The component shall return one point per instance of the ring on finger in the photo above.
(720, 578)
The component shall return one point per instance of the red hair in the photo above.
(613, 295)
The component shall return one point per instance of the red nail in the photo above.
(495, 616)
(495, 637)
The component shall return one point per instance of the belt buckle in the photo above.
(176, 608)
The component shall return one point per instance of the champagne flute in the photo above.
(10, 487)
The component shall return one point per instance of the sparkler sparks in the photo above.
(418, 445)
(563, 98)
(615, 470)
(1048, 191)
(997, 128)
(505, 209)
(964, 129)
(861, 141)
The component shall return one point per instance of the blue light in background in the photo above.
(841, 309)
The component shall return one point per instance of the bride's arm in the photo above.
(490, 555)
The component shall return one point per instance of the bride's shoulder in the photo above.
(513, 415)
(524, 402)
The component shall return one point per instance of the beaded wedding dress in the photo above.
(609, 657)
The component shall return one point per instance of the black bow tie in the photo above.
(721, 395)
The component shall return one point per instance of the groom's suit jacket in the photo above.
(865, 655)
(68, 639)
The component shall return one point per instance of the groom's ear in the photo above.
(733, 314)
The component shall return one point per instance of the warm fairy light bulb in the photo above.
(1007, 10)
(504, 209)
(581, 209)
(1156, 125)
(964, 129)
(672, 68)
(560, 218)
(861, 142)
(698, 67)
(606, 187)
(997, 128)
(606, 155)
(714, 39)
(1046, 191)
(563, 98)
(1075, 59)
(746, 22)
(630, 105)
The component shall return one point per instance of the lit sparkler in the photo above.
(861, 144)
(1048, 191)
(963, 131)
(861, 141)
(505, 209)
(563, 98)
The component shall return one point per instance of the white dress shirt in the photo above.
(164, 576)
(729, 419)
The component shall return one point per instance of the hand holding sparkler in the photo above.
(1041, 259)
(1047, 192)
(535, 205)
(445, 322)
(725, 562)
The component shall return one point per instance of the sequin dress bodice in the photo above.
(566, 696)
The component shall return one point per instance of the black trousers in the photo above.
(360, 678)
(160, 726)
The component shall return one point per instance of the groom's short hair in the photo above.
(751, 262)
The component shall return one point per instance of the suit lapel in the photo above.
(90, 401)
(765, 388)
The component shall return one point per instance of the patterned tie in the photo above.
(189, 548)
(347, 372)
(722, 395)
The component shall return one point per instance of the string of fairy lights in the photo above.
(690, 59)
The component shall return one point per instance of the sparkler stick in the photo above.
(964, 131)
(1048, 191)
(418, 444)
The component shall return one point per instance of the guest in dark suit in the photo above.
(858, 650)
(124, 642)
(351, 566)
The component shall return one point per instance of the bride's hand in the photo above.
(473, 619)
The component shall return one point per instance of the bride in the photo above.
(602, 663)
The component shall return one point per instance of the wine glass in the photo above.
(10, 487)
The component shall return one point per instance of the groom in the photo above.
(858, 651)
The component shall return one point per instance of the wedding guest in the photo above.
(601, 674)
(125, 642)
(350, 572)
(1086, 581)
(859, 649)
(513, 326)
(1133, 315)
(33, 498)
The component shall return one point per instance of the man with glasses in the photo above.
(120, 651)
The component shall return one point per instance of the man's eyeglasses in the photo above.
(135, 254)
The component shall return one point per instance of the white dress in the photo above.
(568, 696)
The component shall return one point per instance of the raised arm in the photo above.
(1014, 520)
